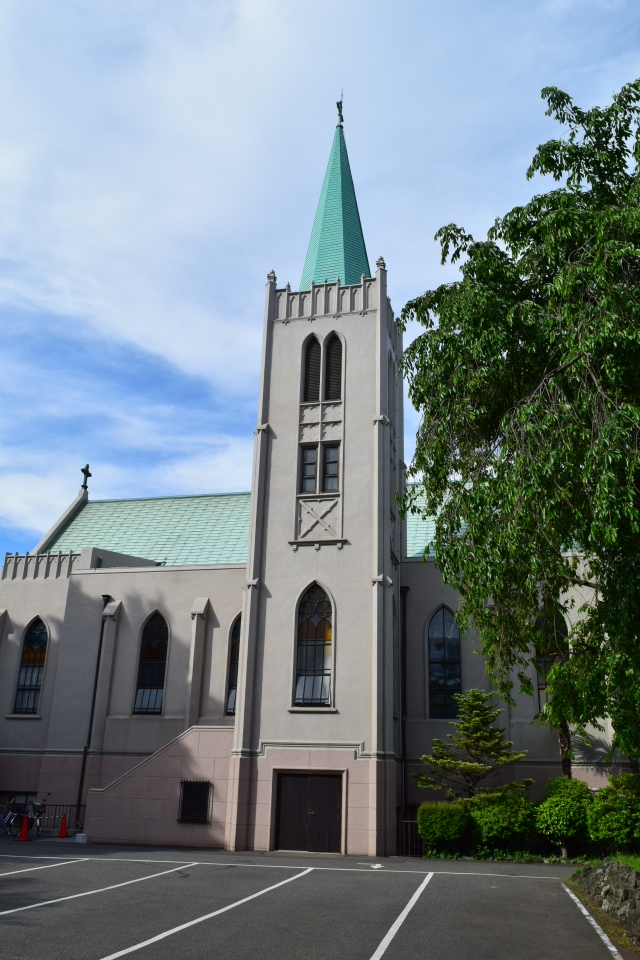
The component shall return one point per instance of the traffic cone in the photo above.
(24, 830)
(63, 827)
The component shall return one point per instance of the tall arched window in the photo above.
(444, 664)
(234, 659)
(34, 653)
(313, 657)
(312, 371)
(551, 647)
(152, 666)
(333, 369)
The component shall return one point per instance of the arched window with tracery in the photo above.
(152, 665)
(311, 390)
(444, 665)
(552, 646)
(34, 654)
(333, 369)
(234, 660)
(313, 654)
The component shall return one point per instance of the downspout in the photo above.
(105, 600)
(403, 696)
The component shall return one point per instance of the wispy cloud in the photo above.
(157, 159)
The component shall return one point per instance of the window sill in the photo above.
(313, 710)
(23, 716)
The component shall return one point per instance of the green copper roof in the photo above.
(336, 249)
(420, 532)
(212, 529)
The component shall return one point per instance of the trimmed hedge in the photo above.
(562, 815)
(442, 823)
(614, 815)
(503, 819)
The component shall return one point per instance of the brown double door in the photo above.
(308, 815)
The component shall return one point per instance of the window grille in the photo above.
(194, 801)
(152, 666)
(34, 653)
(313, 677)
(309, 469)
(312, 372)
(444, 664)
(333, 369)
(330, 469)
(234, 659)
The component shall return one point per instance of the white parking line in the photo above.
(290, 866)
(395, 926)
(89, 893)
(207, 916)
(47, 866)
(596, 926)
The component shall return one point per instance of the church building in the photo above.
(262, 670)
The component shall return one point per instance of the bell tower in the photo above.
(317, 687)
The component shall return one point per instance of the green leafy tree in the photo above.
(474, 752)
(563, 814)
(528, 451)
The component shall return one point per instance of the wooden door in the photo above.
(308, 815)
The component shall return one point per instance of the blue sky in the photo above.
(157, 159)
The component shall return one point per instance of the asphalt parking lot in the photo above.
(95, 902)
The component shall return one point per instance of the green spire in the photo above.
(336, 249)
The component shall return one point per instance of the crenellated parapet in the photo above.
(39, 566)
(326, 300)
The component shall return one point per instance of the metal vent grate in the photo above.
(194, 801)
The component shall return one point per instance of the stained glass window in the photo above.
(444, 665)
(34, 653)
(152, 666)
(313, 676)
(551, 647)
(234, 659)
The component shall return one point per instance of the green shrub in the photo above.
(562, 815)
(441, 824)
(614, 816)
(502, 819)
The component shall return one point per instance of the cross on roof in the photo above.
(85, 472)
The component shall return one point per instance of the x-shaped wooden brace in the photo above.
(317, 518)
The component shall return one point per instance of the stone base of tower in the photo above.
(365, 790)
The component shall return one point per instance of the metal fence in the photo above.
(409, 842)
(52, 816)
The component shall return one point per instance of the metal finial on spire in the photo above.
(339, 106)
(86, 475)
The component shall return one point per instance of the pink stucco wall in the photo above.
(142, 805)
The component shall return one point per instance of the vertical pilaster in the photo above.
(110, 615)
(239, 773)
(199, 612)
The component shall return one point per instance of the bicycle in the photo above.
(9, 819)
(36, 812)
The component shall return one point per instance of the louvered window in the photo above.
(444, 664)
(312, 372)
(34, 652)
(333, 369)
(152, 666)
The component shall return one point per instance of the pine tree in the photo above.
(476, 750)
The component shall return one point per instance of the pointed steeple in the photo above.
(336, 249)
